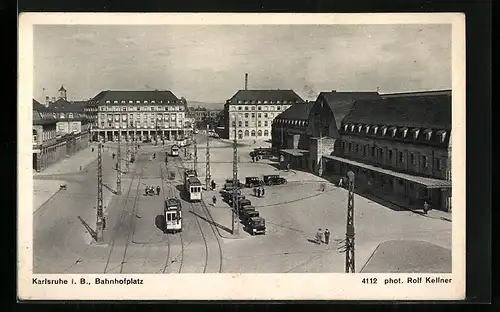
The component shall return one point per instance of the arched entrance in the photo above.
(259, 133)
(240, 134)
(253, 133)
(247, 133)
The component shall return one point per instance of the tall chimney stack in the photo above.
(246, 81)
(47, 101)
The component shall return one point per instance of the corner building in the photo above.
(139, 116)
(251, 112)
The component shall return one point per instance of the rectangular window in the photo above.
(259, 123)
(438, 164)
(265, 123)
(401, 159)
(373, 151)
(357, 149)
(246, 123)
(265, 115)
(350, 147)
(253, 115)
(425, 164)
(240, 123)
(342, 145)
(259, 115)
(233, 123)
(239, 108)
(246, 108)
(246, 115)
(412, 159)
(259, 107)
(364, 150)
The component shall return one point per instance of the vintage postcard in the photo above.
(241, 156)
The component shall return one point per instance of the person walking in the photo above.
(341, 181)
(327, 236)
(92, 149)
(213, 185)
(214, 200)
(319, 237)
(288, 167)
(255, 191)
(158, 190)
(426, 207)
(113, 155)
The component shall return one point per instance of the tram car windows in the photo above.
(174, 150)
(173, 215)
(193, 188)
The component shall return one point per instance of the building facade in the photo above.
(399, 148)
(317, 125)
(51, 142)
(139, 116)
(250, 113)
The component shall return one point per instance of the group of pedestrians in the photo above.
(151, 190)
(258, 191)
(321, 234)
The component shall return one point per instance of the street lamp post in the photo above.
(349, 239)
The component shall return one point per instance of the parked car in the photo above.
(245, 209)
(229, 184)
(245, 218)
(257, 225)
(274, 179)
(253, 182)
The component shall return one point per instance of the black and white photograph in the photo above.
(241, 156)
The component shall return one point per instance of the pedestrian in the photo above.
(327, 236)
(319, 237)
(426, 207)
(92, 149)
(288, 167)
(113, 155)
(214, 200)
(262, 191)
(158, 190)
(258, 192)
(116, 166)
(341, 182)
(255, 191)
(80, 168)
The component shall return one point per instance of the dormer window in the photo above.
(115, 102)
(62, 115)
(393, 131)
(359, 128)
(375, 129)
(442, 136)
(367, 129)
(383, 130)
(108, 101)
(138, 102)
(352, 128)
(404, 132)
(415, 133)
(345, 127)
(278, 102)
(130, 101)
(70, 115)
(428, 134)
(153, 101)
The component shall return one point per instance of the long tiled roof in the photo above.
(160, 97)
(39, 107)
(425, 111)
(341, 102)
(62, 105)
(265, 95)
(297, 111)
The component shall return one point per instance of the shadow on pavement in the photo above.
(160, 222)
(212, 222)
(311, 240)
(89, 229)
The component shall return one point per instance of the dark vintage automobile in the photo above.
(229, 184)
(229, 198)
(253, 182)
(245, 209)
(248, 215)
(257, 225)
(274, 180)
(244, 202)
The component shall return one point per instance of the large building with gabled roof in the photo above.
(138, 116)
(399, 148)
(250, 113)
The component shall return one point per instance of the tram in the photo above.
(193, 189)
(174, 150)
(188, 174)
(173, 215)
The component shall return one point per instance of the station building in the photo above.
(399, 147)
(138, 116)
(251, 112)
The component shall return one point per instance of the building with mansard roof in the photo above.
(250, 113)
(138, 116)
(317, 121)
(399, 147)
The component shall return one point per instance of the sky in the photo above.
(208, 63)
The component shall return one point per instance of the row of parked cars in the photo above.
(272, 179)
(249, 216)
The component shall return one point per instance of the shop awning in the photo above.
(294, 152)
(427, 182)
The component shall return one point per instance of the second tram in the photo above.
(193, 188)
(174, 150)
(173, 216)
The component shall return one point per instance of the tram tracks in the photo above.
(180, 256)
(120, 223)
(204, 210)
